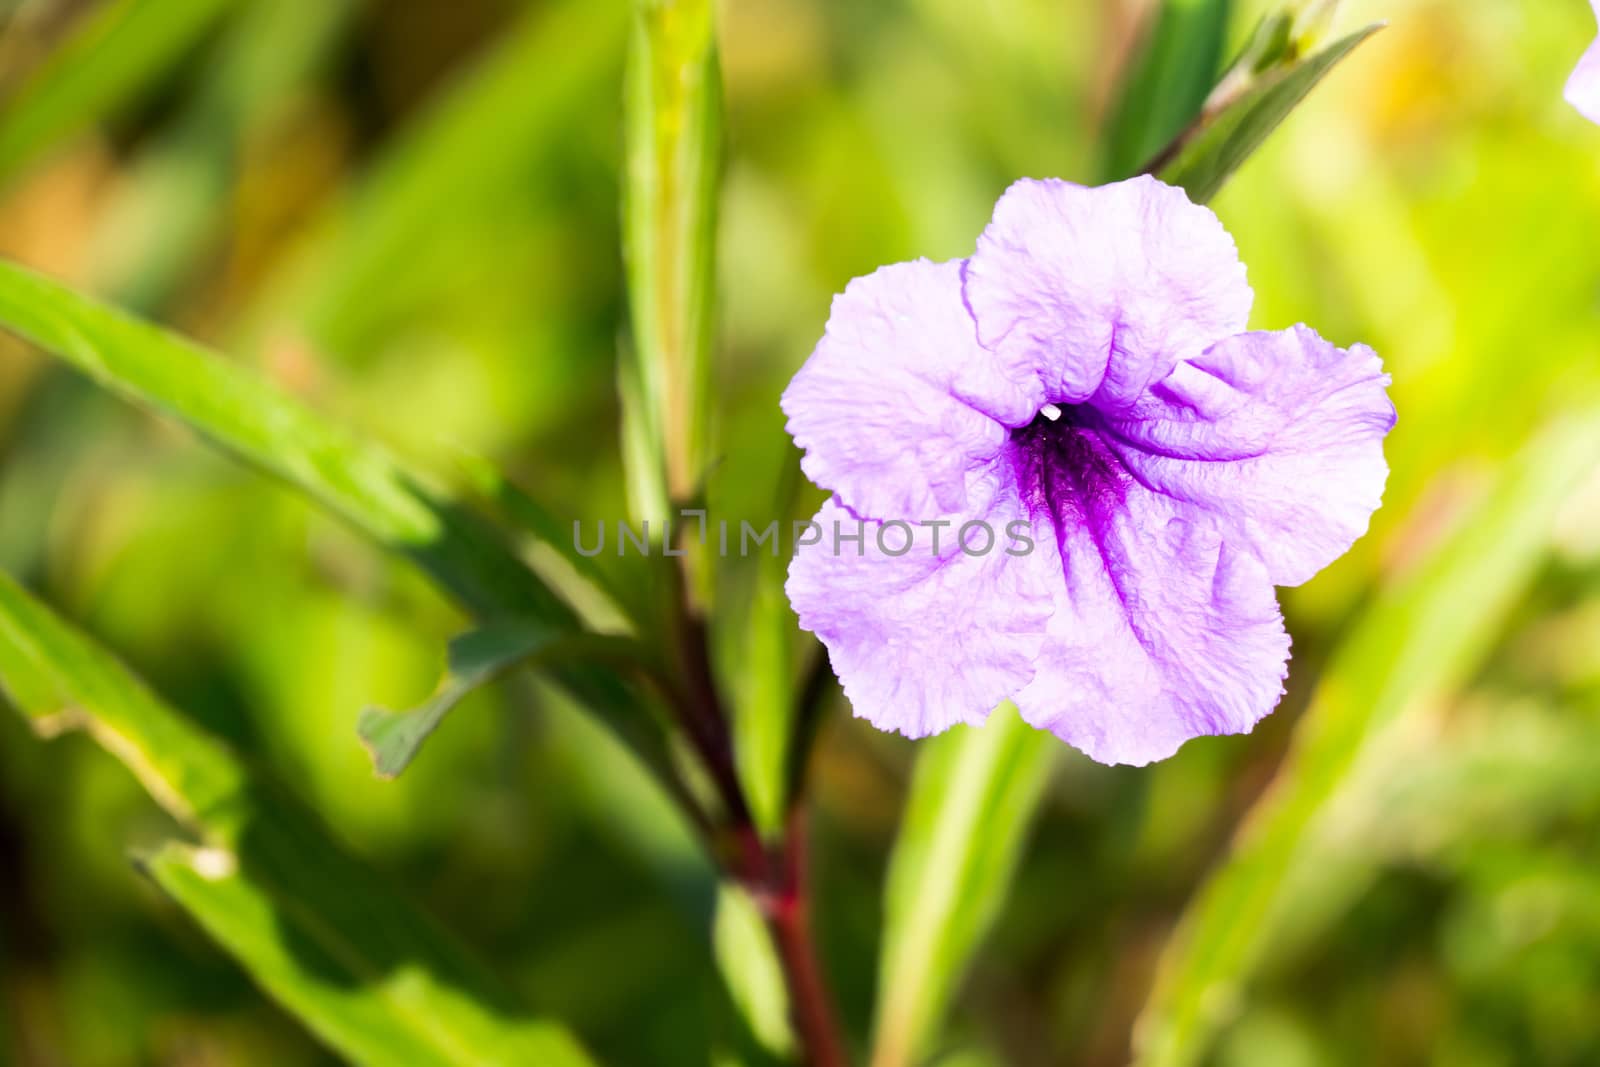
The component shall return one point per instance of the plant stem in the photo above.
(775, 876)
(788, 915)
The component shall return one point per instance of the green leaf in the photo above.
(1168, 83)
(1412, 647)
(117, 52)
(1241, 115)
(764, 711)
(356, 984)
(475, 658)
(364, 969)
(749, 963)
(673, 137)
(972, 802)
(280, 435)
(350, 477)
(629, 585)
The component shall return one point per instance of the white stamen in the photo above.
(1051, 412)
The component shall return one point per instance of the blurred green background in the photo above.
(406, 212)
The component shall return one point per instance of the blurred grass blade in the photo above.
(1247, 108)
(475, 658)
(370, 974)
(967, 818)
(1413, 646)
(165, 215)
(506, 108)
(1167, 84)
(280, 435)
(118, 51)
(673, 130)
(749, 962)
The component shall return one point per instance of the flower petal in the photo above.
(898, 405)
(1095, 293)
(1583, 88)
(1277, 436)
(1161, 633)
(924, 640)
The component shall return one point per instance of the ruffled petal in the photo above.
(1277, 436)
(1095, 293)
(1161, 633)
(1583, 88)
(921, 641)
(898, 404)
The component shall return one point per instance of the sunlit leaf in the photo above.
(365, 970)
(350, 477)
(1235, 126)
(749, 965)
(673, 134)
(1413, 646)
(1168, 83)
(475, 658)
(248, 417)
(966, 820)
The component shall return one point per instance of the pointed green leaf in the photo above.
(351, 982)
(350, 477)
(322, 932)
(1206, 156)
(673, 136)
(475, 658)
(1413, 646)
(972, 802)
(1168, 82)
(248, 417)
(749, 963)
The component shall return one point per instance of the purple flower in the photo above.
(1084, 373)
(1583, 88)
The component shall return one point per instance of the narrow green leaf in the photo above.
(118, 51)
(1168, 82)
(673, 130)
(378, 1006)
(967, 818)
(629, 584)
(1235, 125)
(365, 970)
(749, 963)
(354, 479)
(475, 658)
(764, 712)
(277, 433)
(1412, 647)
